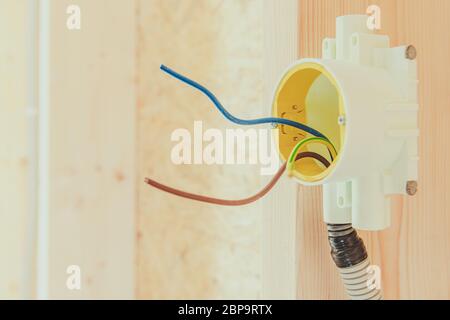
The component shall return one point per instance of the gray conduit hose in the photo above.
(350, 256)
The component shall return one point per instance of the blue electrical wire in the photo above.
(232, 118)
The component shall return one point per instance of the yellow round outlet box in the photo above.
(309, 94)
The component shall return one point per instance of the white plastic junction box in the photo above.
(362, 95)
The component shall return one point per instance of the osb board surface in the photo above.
(187, 249)
(414, 254)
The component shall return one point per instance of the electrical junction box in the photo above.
(362, 95)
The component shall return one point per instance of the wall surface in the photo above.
(14, 161)
(279, 250)
(187, 249)
(414, 254)
(91, 119)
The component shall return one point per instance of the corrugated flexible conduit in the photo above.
(350, 256)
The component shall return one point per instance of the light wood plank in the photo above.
(414, 253)
(14, 159)
(92, 149)
(279, 250)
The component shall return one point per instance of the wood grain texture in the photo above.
(414, 253)
(279, 276)
(92, 150)
(187, 249)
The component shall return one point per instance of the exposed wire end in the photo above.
(293, 156)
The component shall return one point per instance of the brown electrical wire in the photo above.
(224, 202)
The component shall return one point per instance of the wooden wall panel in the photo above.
(414, 254)
(279, 269)
(14, 160)
(92, 149)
